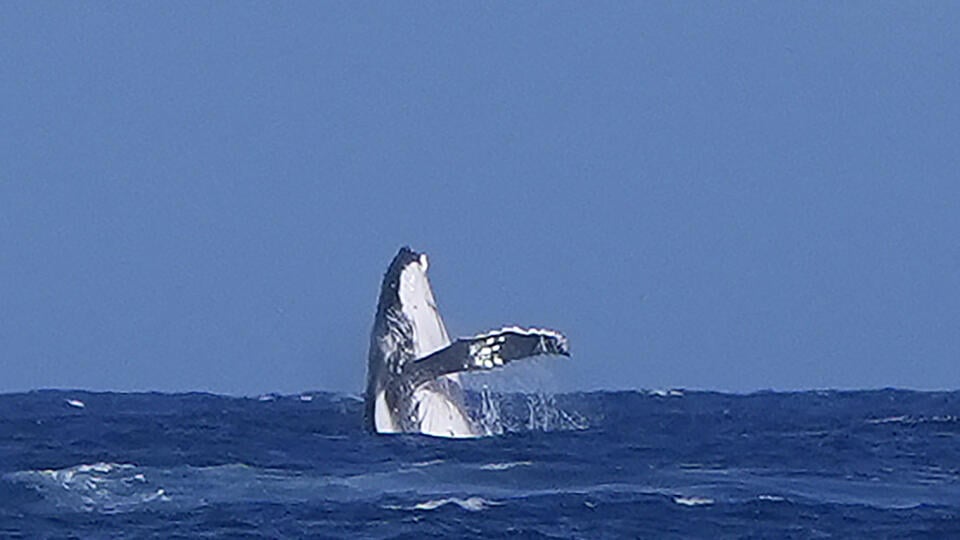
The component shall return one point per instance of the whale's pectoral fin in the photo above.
(487, 351)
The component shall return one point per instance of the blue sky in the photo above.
(730, 196)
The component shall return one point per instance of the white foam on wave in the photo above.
(93, 487)
(76, 403)
(472, 504)
(771, 498)
(66, 477)
(902, 419)
(912, 420)
(693, 501)
(429, 463)
(665, 393)
(505, 465)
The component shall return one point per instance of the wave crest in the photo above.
(96, 487)
(472, 504)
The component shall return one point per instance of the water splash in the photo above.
(545, 415)
(489, 418)
(519, 398)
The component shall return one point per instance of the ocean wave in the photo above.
(693, 501)
(429, 463)
(665, 393)
(93, 487)
(763, 463)
(505, 465)
(911, 420)
(472, 504)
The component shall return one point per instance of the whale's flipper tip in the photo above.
(514, 343)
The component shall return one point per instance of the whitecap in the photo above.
(92, 487)
(427, 463)
(672, 392)
(472, 504)
(76, 403)
(160, 494)
(693, 501)
(771, 498)
(902, 419)
(505, 465)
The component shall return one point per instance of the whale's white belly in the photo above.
(440, 417)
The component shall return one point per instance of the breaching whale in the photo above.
(412, 381)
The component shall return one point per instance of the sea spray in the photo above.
(521, 397)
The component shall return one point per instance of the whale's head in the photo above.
(406, 290)
(408, 325)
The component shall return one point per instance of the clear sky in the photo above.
(730, 196)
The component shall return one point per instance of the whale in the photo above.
(413, 367)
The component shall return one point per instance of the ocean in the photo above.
(645, 464)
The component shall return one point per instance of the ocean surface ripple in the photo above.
(649, 464)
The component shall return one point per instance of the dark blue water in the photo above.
(877, 464)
